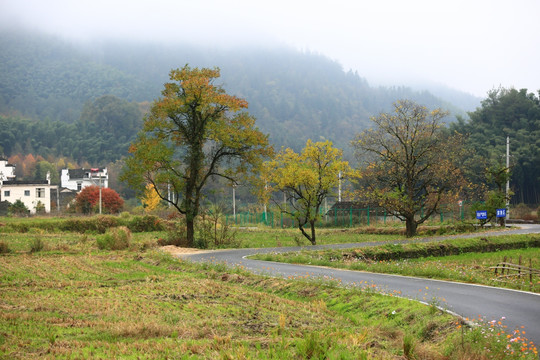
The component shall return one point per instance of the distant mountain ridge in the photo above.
(294, 95)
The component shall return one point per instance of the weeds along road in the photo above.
(518, 308)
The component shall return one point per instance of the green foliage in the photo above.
(40, 208)
(409, 346)
(513, 113)
(411, 251)
(213, 230)
(114, 239)
(18, 208)
(37, 245)
(43, 168)
(314, 346)
(294, 95)
(306, 179)
(146, 223)
(194, 132)
(494, 200)
(99, 224)
(4, 247)
(177, 235)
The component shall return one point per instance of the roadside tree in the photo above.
(306, 179)
(194, 132)
(150, 198)
(87, 201)
(409, 166)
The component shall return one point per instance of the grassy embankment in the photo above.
(63, 297)
(465, 260)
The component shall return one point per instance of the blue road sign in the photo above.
(481, 214)
(501, 213)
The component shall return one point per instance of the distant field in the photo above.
(63, 297)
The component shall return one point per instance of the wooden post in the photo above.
(530, 274)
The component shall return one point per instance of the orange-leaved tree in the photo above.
(409, 165)
(195, 131)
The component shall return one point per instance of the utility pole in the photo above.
(339, 187)
(234, 200)
(99, 174)
(508, 178)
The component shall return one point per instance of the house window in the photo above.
(6, 193)
(79, 186)
(40, 192)
(26, 192)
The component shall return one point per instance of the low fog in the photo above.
(472, 46)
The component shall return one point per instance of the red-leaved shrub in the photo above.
(87, 201)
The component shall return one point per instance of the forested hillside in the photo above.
(82, 104)
(45, 82)
(512, 113)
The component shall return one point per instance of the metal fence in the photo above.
(341, 217)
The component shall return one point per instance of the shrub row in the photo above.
(145, 223)
(410, 251)
(96, 224)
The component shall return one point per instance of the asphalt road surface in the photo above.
(517, 308)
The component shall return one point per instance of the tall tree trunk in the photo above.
(411, 226)
(190, 230)
(313, 240)
(310, 238)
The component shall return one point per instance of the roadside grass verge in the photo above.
(263, 237)
(464, 260)
(141, 303)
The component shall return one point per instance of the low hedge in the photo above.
(98, 224)
(145, 223)
(447, 248)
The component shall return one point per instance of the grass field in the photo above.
(63, 297)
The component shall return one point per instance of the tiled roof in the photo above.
(80, 173)
(20, 182)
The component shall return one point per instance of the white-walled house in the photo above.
(78, 179)
(31, 193)
(7, 170)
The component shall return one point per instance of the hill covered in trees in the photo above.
(82, 104)
(46, 83)
(507, 113)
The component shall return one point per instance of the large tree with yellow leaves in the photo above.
(306, 179)
(195, 131)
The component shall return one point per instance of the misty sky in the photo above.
(473, 45)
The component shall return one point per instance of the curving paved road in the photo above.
(519, 308)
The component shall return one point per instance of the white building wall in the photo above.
(29, 194)
(6, 172)
(89, 179)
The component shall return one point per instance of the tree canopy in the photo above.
(305, 179)
(87, 201)
(408, 165)
(195, 131)
(513, 113)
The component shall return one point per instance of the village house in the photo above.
(7, 170)
(78, 179)
(35, 195)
